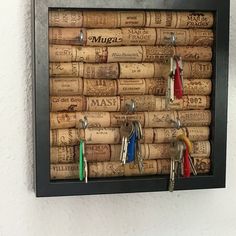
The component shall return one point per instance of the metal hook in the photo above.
(177, 123)
(81, 36)
(131, 106)
(84, 122)
(172, 39)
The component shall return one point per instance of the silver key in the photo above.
(192, 165)
(138, 153)
(126, 131)
(172, 175)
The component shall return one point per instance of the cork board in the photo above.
(99, 61)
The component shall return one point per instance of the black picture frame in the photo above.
(216, 179)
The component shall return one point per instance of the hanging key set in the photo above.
(131, 134)
(181, 161)
(83, 164)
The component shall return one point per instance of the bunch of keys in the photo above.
(181, 162)
(131, 133)
(83, 164)
(175, 80)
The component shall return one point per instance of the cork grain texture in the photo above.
(204, 212)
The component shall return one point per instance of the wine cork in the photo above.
(68, 53)
(194, 20)
(115, 152)
(191, 53)
(62, 155)
(160, 54)
(202, 165)
(101, 71)
(161, 19)
(105, 169)
(125, 54)
(62, 53)
(95, 119)
(73, 69)
(201, 37)
(195, 117)
(198, 133)
(167, 19)
(196, 102)
(131, 18)
(65, 18)
(197, 70)
(103, 103)
(201, 149)
(138, 36)
(104, 37)
(163, 135)
(156, 86)
(162, 105)
(95, 153)
(100, 19)
(142, 103)
(64, 137)
(67, 36)
(61, 120)
(148, 135)
(67, 103)
(160, 119)
(118, 118)
(64, 171)
(197, 86)
(131, 86)
(136, 70)
(150, 168)
(163, 166)
(156, 151)
(66, 86)
(100, 87)
(102, 135)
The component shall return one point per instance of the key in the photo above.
(131, 147)
(126, 131)
(192, 165)
(172, 175)
(138, 154)
(170, 84)
(86, 170)
(81, 160)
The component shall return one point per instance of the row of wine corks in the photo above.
(127, 70)
(72, 137)
(130, 36)
(107, 87)
(119, 103)
(68, 53)
(116, 169)
(114, 19)
(162, 119)
(106, 152)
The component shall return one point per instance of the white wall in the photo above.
(204, 212)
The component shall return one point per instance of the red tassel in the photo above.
(178, 87)
(187, 168)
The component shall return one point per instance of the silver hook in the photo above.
(84, 122)
(81, 36)
(177, 123)
(131, 106)
(172, 39)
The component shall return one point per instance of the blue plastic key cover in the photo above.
(131, 148)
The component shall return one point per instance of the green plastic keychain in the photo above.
(81, 160)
